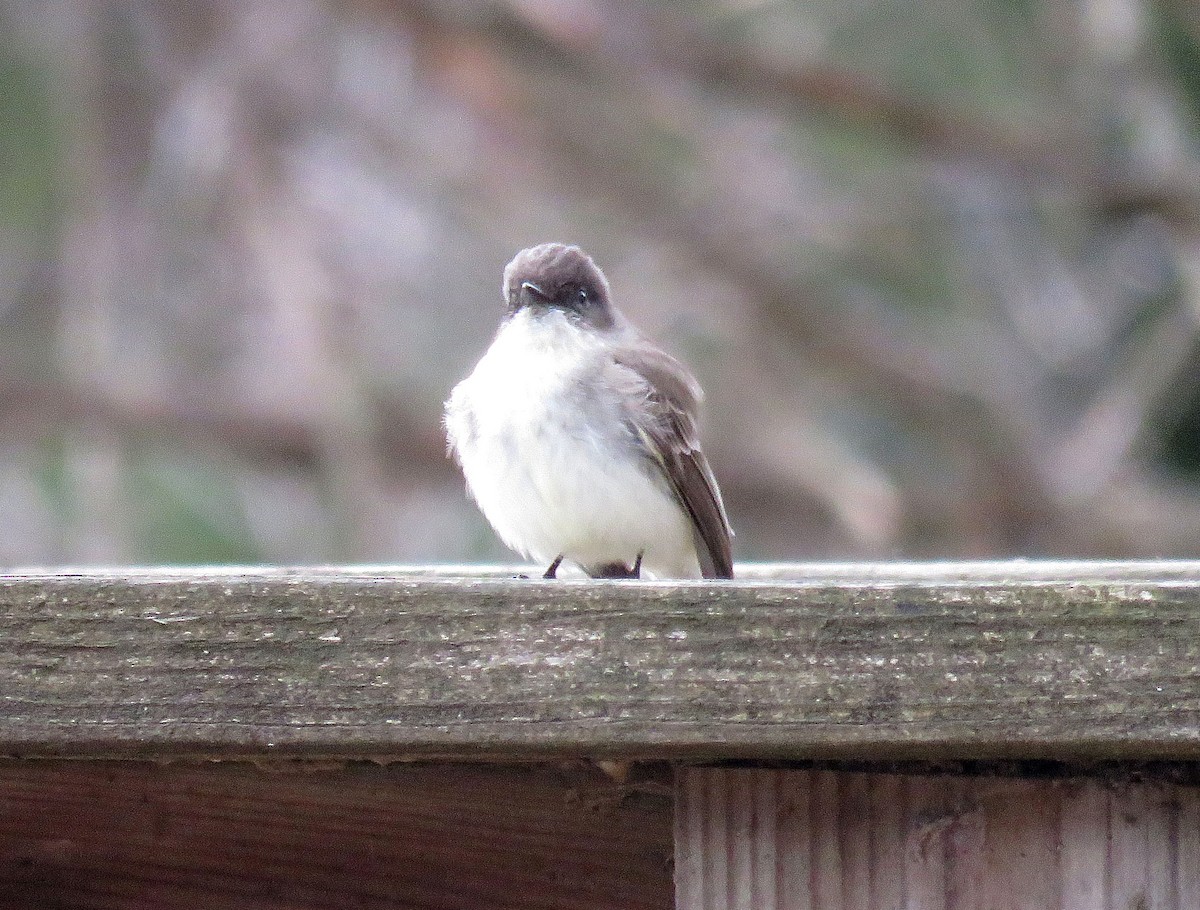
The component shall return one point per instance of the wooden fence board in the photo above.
(1058, 660)
(970, 843)
(136, 836)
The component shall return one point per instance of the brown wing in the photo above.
(668, 427)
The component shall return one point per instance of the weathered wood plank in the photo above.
(1061, 660)
(132, 836)
(970, 843)
(1084, 838)
(929, 813)
(1188, 879)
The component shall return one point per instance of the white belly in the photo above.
(550, 461)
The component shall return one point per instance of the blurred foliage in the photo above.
(1181, 441)
(31, 148)
(937, 264)
(1181, 53)
(188, 513)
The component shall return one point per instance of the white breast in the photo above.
(550, 460)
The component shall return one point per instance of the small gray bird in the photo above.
(578, 437)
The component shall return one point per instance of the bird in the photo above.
(578, 436)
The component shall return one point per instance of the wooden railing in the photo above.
(945, 661)
(529, 735)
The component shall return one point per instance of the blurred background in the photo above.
(937, 264)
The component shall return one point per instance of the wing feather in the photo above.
(667, 428)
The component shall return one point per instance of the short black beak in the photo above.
(534, 292)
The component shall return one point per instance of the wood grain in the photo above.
(1055, 660)
(134, 836)
(969, 843)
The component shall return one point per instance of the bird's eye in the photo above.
(583, 295)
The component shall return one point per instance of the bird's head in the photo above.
(556, 276)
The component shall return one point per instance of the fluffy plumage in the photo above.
(578, 437)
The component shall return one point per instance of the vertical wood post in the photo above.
(824, 840)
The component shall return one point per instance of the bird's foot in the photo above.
(552, 572)
(619, 569)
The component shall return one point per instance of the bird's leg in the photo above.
(552, 572)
